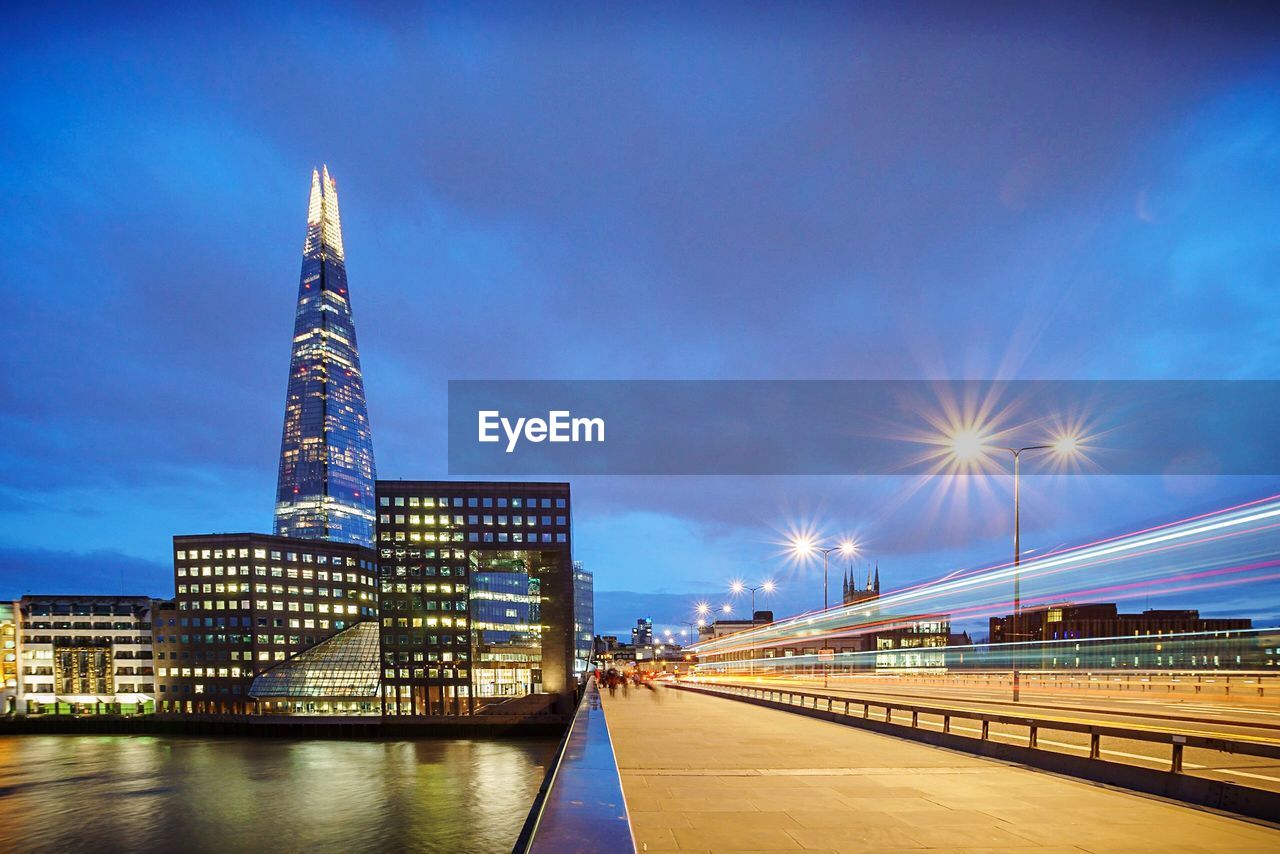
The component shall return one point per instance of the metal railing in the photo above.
(886, 710)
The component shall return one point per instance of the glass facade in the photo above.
(336, 676)
(584, 618)
(506, 623)
(326, 478)
(476, 594)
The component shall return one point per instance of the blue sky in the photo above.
(738, 191)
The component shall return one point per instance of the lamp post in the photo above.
(968, 446)
(738, 587)
(804, 547)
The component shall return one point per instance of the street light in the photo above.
(969, 446)
(805, 547)
(738, 587)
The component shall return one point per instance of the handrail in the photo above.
(1178, 740)
(580, 805)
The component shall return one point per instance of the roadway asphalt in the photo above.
(1229, 717)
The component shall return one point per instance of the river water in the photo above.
(162, 794)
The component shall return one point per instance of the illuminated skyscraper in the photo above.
(325, 487)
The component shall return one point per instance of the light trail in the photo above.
(1214, 550)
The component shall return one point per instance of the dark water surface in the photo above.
(161, 794)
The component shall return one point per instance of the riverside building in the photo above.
(477, 595)
(83, 655)
(246, 602)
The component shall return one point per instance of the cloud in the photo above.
(50, 571)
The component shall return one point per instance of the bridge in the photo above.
(765, 765)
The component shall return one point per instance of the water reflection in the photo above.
(165, 794)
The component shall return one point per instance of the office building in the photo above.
(246, 602)
(477, 594)
(84, 655)
(584, 621)
(325, 484)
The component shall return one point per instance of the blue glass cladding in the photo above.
(325, 485)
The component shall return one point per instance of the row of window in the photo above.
(261, 554)
(425, 673)
(469, 537)
(276, 605)
(294, 623)
(471, 519)
(474, 501)
(278, 589)
(238, 639)
(130, 626)
(276, 572)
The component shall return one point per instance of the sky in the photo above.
(732, 191)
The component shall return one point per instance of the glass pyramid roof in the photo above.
(345, 665)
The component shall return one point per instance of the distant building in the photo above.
(642, 634)
(246, 602)
(1076, 622)
(853, 594)
(8, 658)
(872, 640)
(720, 628)
(477, 594)
(584, 621)
(84, 655)
(1069, 636)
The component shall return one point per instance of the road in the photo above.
(1209, 715)
(701, 773)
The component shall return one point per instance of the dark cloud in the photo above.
(52, 571)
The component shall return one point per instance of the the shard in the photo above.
(325, 485)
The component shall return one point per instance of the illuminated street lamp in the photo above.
(970, 446)
(738, 587)
(805, 547)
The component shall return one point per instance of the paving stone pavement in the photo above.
(708, 774)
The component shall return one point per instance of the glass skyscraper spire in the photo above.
(325, 487)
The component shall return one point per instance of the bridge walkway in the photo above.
(706, 774)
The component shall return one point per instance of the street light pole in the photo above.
(738, 587)
(1017, 563)
(969, 445)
